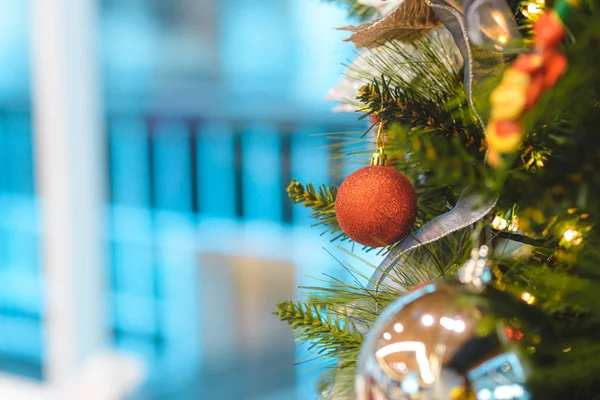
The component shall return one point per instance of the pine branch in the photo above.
(321, 203)
(331, 333)
(337, 384)
(550, 242)
(440, 168)
(572, 375)
(420, 87)
(403, 105)
(432, 138)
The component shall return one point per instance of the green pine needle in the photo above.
(553, 187)
(321, 203)
(329, 331)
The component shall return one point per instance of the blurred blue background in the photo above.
(211, 107)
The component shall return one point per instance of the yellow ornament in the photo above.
(518, 78)
(505, 143)
(508, 99)
(494, 159)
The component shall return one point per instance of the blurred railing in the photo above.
(186, 194)
(20, 283)
(216, 168)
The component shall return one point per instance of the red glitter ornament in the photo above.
(376, 206)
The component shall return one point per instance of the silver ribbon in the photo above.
(468, 210)
(478, 64)
(452, 18)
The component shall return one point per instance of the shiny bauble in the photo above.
(491, 24)
(376, 206)
(448, 341)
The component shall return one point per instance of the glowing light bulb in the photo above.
(499, 223)
(569, 235)
(502, 39)
(514, 224)
(387, 336)
(573, 236)
(528, 298)
(533, 8)
(398, 327)
(427, 320)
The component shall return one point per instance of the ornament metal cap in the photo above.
(476, 270)
(379, 158)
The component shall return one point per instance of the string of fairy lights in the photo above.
(532, 10)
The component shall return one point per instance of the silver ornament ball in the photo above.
(440, 343)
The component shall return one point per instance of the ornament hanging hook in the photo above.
(379, 157)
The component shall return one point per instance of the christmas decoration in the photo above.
(445, 341)
(412, 19)
(522, 85)
(472, 338)
(438, 339)
(491, 24)
(469, 209)
(383, 6)
(376, 205)
(486, 23)
(365, 67)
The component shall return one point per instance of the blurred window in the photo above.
(209, 107)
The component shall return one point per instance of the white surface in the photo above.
(69, 167)
(104, 376)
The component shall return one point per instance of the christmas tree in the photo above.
(482, 118)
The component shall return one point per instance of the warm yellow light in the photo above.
(499, 223)
(528, 298)
(533, 8)
(570, 234)
(502, 39)
(573, 237)
(514, 224)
